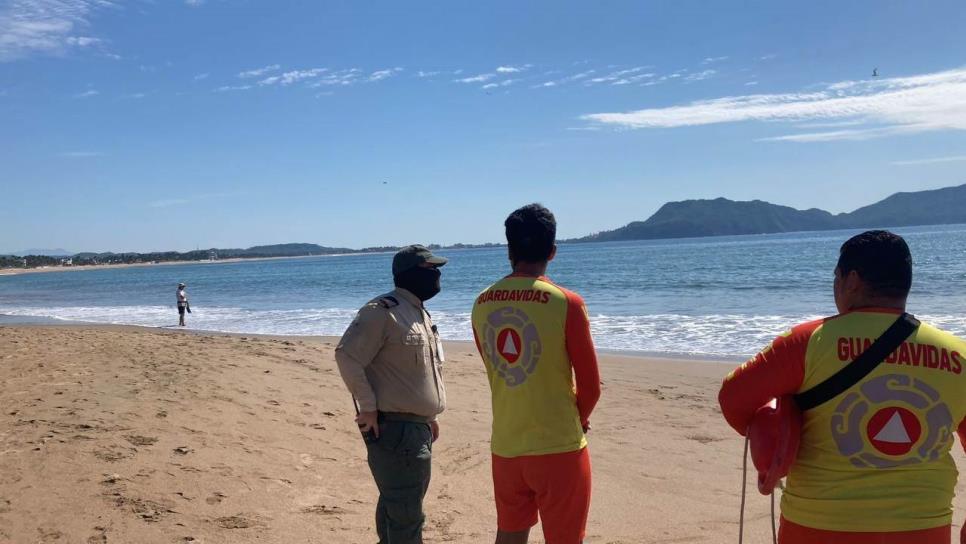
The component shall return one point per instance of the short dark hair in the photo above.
(530, 233)
(882, 259)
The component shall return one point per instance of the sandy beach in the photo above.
(133, 435)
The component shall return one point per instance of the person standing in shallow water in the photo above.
(391, 360)
(182, 304)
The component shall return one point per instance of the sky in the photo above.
(180, 124)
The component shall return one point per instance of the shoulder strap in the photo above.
(865, 363)
(388, 301)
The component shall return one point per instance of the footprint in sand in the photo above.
(100, 536)
(306, 459)
(216, 498)
(237, 522)
(139, 440)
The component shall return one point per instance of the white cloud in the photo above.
(770, 56)
(45, 26)
(384, 74)
(228, 88)
(87, 94)
(199, 77)
(194, 3)
(293, 76)
(711, 60)
(83, 41)
(751, 83)
(340, 77)
(927, 102)
(701, 76)
(504, 83)
(427, 74)
(476, 79)
(512, 69)
(937, 160)
(259, 71)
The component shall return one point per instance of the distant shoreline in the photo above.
(88, 267)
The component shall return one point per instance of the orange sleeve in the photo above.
(583, 358)
(777, 370)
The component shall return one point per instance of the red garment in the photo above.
(558, 486)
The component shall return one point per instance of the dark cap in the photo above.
(413, 256)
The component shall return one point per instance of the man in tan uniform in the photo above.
(391, 358)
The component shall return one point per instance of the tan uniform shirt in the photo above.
(391, 359)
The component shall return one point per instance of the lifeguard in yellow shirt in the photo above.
(535, 340)
(874, 464)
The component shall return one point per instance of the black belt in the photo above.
(403, 416)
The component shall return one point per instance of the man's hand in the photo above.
(586, 427)
(368, 421)
(434, 426)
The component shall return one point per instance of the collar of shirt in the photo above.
(406, 295)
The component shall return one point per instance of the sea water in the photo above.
(704, 297)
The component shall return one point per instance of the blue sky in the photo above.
(140, 125)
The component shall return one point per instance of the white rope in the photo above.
(744, 492)
(774, 534)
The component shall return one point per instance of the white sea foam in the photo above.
(727, 336)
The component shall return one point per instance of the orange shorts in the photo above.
(793, 533)
(557, 486)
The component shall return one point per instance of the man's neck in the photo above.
(529, 269)
(879, 302)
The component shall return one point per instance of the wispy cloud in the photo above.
(380, 75)
(563, 81)
(712, 60)
(228, 88)
(87, 94)
(194, 3)
(504, 83)
(507, 69)
(621, 77)
(257, 72)
(83, 41)
(700, 76)
(902, 105)
(342, 78)
(770, 56)
(199, 77)
(45, 26)
(936, 160)
(480, 78)
(427, 74)
(294, 76)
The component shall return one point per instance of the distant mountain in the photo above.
(937, 207)
(46, 252)
(723, 217)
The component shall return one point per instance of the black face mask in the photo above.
(422, 282)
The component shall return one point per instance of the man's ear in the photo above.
(553, 253)
(854, 282)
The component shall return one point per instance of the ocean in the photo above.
(723, 297)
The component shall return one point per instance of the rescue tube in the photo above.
(774, 434)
